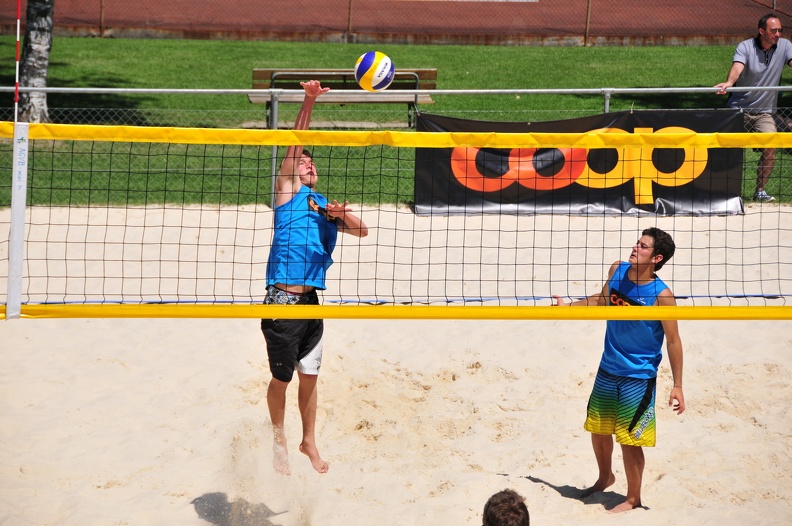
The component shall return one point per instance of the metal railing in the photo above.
(606, 93)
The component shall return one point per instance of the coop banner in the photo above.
(580, 181)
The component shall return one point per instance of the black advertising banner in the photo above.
(581, 181)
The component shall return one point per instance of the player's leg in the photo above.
(276, 403)
(636, 428)
(308, 367)
(601, 423)
(307, 399)
(603, 452)
(634, 463)
(282, 337)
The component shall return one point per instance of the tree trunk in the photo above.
(34, 62)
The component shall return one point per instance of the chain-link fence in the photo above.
(511, 22)
(399, 116)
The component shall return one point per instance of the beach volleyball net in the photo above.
(121, 221)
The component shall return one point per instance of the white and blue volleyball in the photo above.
(374, 71)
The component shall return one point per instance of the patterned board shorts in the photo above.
(624, 407)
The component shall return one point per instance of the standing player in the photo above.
(306, 227)
(759, 61)
(622, 402)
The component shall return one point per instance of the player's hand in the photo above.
(337, 210)
(676, 400)
(313, 88)
(559, 301)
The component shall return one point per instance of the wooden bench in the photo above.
(343, 87)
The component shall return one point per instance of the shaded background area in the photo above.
(515, 22)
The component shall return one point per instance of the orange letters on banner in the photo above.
(521, 163)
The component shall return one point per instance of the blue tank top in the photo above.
(633, 348)
(303, 242)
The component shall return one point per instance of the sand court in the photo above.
(135, 421)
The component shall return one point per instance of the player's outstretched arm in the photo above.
(288, 180)
(600, 299)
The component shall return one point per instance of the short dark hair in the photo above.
(307, 153)
(764, 19)
(663, 245)
(506, 508)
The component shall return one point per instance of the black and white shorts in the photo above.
(292, 343)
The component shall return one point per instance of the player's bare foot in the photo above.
(599, 486)
(316, 461)
(627, 505)
(280, 454)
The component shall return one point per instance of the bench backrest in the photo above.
(343, 87)
(339, 79)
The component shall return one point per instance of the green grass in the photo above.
(79, 173)
(214, 64)
(65, 174)
(135, 174)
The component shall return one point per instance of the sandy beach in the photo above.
(160, 421)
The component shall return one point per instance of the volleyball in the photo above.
(374, 71)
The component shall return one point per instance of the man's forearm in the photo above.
(352, 224)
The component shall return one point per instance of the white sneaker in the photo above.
(763, 197)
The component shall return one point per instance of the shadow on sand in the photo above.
(607, 499)
(215, 508)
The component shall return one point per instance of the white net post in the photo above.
(16, 236)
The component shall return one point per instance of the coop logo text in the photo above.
(546, 169)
